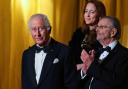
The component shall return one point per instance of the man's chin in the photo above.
(40, 43)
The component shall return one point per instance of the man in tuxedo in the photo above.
(46, 65)
(108, 67)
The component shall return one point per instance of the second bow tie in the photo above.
(39, 49)
(101, 50)
(108, 49)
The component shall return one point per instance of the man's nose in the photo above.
(38, 32)
(97, 29)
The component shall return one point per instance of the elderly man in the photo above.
(46, 65)
(108, 67)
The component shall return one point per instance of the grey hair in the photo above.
(116, 24)
(43, 17)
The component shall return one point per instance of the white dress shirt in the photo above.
(39, 60)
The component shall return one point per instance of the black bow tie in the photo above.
(39, 49)
(108, 49)
(101, 50)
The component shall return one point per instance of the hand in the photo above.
(87, 59)
(82, 67)
(79, 66)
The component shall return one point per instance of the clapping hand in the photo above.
(87, 59)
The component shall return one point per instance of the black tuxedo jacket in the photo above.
(60, 75)
(111, 73)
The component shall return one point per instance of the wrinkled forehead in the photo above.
(105, 21)
(36, 21)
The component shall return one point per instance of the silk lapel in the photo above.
(51, 55)
(46, 66)
(32, 65)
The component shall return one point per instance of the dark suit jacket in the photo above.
(112, 73)
(60, 75)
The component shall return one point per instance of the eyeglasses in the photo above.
(104, 27)
(39, 28)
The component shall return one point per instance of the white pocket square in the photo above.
(56, 60)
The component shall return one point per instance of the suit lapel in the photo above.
(32, 65)
(51, 55)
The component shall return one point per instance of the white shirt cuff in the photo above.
(83, 75)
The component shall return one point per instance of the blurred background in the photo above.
(64, 15)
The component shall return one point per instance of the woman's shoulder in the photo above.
(77, 36)
(79, 32)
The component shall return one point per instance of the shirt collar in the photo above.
(113, 44)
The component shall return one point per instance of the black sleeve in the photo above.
(70, 72)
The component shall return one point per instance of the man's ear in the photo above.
(113, 32)
(49, 29)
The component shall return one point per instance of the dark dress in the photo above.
(76, 41)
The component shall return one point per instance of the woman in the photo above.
(85, 37)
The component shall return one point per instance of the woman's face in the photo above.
(90, 14)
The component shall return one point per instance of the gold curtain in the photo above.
(15, 36)
(118, 8)
(65, 16)
(5, 25)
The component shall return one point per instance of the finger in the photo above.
(85, 52)
(83, 59)
(79, 66)
(92, 54)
